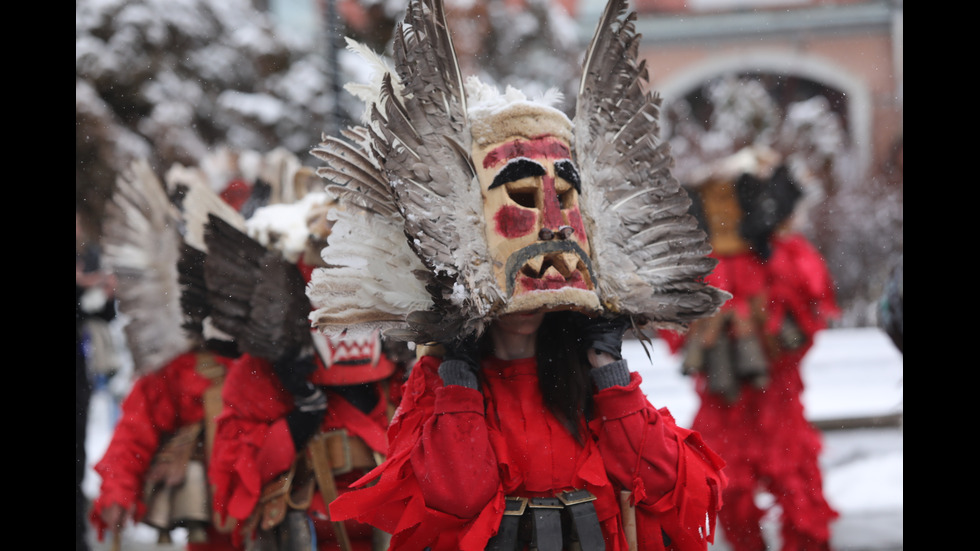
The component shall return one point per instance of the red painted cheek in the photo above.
(514, 222)
(575, 221)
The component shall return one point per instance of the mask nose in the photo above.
(563, 233)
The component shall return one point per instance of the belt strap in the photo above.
(544, 516)
(546, 520)
(506, 537)
(584, 519)
(322, 469)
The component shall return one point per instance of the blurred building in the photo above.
(850, 52)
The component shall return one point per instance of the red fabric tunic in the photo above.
(158, 404)
(253, 445)
(456, 453)
(764, 436)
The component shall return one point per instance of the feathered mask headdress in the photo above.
(463, 204)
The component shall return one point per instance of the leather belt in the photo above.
(348, 452)
(584, 519)
(546, 521)
(506, 538)
(566, 521)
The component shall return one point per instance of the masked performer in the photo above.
(303, 415)
(154, 468)
(524, 246)
(746, 360)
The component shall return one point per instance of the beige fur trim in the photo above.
(549, 301)
(520, 120)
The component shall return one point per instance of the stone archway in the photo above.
(857, 94)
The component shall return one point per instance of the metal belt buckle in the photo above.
(544, 503)
(515, 506)
(575, 497)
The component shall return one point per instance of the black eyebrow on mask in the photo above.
(565, 170)
(517, 169)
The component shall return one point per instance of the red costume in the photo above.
(762, 432)
(518, 448)
(254, 449)
(161, 405)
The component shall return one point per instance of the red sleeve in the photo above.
(675, 480)
(439, 459)
(639, 450)
(397, 502)
(252, 444)
(150, 411)
(799, 284)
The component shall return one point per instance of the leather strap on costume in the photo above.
(328, 454)
(506, 538)
(566, 521)
(214, 371)
(210, 369)
(271, 507)
(319, 453)
(546, 534)
(346, 453)
(178, 451)
(176, 489)
(585, 521)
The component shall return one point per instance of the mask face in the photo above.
(534, 226)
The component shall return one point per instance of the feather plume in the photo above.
(255, 295)
(649, 255)
(410, 167)
(189, 189)
(141, 247)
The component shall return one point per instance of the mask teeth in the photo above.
(535, 265)
(566, 263)
(348, 350)
(562, 263)
(552, 272)
(375, 348)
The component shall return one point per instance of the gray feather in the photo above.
(255, 295)
(649, 252)
(141, 247)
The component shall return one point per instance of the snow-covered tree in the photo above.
(171, 80)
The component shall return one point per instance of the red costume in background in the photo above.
(762, 432)
(253, 447)
(518, 448)
(160, 404)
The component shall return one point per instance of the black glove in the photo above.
(310, 402)
(461, 363)
(605, 334)
(304, 420)
(294, 374)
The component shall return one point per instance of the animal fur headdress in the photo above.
(414, 252)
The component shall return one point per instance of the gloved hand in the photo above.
(461, 362)
(304, 420)
(605, 334)
(310, 402)
(294, 374)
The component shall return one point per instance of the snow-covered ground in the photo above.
(849, 373)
